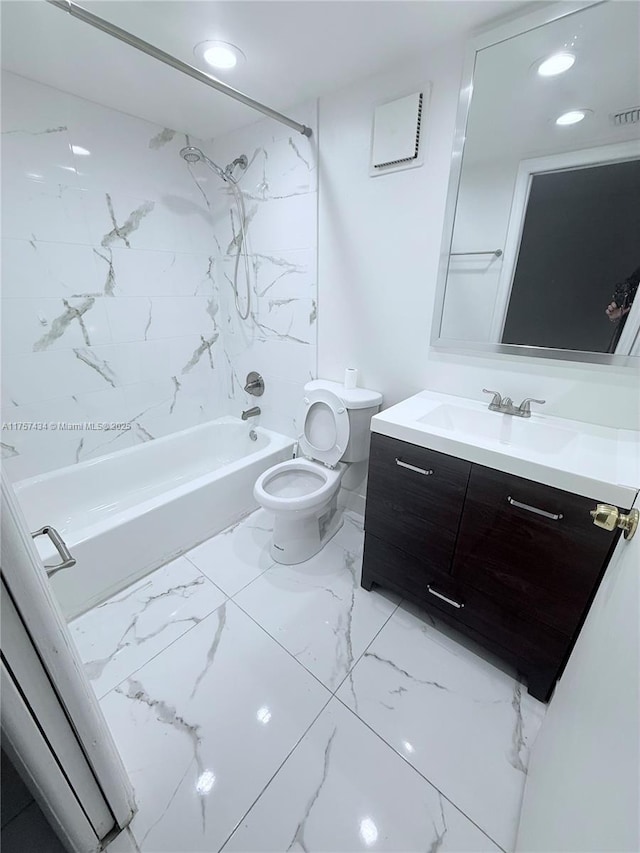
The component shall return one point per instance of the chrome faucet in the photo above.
(250, 413)
(506, 406)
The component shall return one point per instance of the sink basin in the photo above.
(470, 424)
(602, 463)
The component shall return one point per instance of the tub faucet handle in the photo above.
(254, 384)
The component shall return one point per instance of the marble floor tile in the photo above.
(463, 723)
(235, 557)
(205, 725)
(317, 609)
(119, 636)
(344, 789)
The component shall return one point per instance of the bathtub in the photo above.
(125, 514)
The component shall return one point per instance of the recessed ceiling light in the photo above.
(571, 117)
(80, 151)
(219, 54)
(556, 64)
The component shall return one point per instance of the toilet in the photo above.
(303, 492)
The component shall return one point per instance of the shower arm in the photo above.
(150, 49)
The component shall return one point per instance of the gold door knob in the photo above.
(605, 516)
(609, 517)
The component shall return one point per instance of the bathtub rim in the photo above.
(76, 467)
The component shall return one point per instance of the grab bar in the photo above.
(61, 548)
(552, 515)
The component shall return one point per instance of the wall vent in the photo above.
(630, 116)
(396, 133)
(416, 148)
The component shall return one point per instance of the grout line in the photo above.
(279, 768)
(263, 572)
(164, 649)
(278, 643)
(275, 640)
(184, 633)
(364, 651)
(422, 776)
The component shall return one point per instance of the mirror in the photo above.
(541, 254)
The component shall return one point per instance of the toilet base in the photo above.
(297, 539)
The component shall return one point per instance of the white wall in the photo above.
(379, 245)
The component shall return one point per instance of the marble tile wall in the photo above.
(278, 339)
(117, 303)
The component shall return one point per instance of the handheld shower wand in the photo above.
(192, 155)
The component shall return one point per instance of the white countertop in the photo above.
(594, 461)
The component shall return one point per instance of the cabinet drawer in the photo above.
(549, 563)
(415, 498)
(512, 628)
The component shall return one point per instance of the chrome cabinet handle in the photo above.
(61, 548)
(450, 601)
(552, 515)
(426, 471)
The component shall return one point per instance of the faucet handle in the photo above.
(497, 397)
(525, 406)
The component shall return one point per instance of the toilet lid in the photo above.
(325, 432)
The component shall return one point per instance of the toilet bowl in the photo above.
(302, 493)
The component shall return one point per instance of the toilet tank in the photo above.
(361, 405)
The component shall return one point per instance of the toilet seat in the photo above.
(267, 485)
(325, 415)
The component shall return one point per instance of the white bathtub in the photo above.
(125, 514)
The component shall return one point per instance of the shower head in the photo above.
(193, 155)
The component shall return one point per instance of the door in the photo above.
(582, 790)
(52, 724)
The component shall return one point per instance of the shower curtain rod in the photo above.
(156, 53)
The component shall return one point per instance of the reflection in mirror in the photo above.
(578, 261)
(546, 238)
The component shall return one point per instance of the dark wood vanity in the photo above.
(511, 563)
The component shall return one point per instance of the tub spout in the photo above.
(250, 413)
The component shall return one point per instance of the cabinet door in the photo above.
(531, 644)
(414, 499)
(531, 545)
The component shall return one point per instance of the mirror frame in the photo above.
(484, 39)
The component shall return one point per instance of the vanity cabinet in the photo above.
(512, 563)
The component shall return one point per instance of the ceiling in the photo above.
(295, 50)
